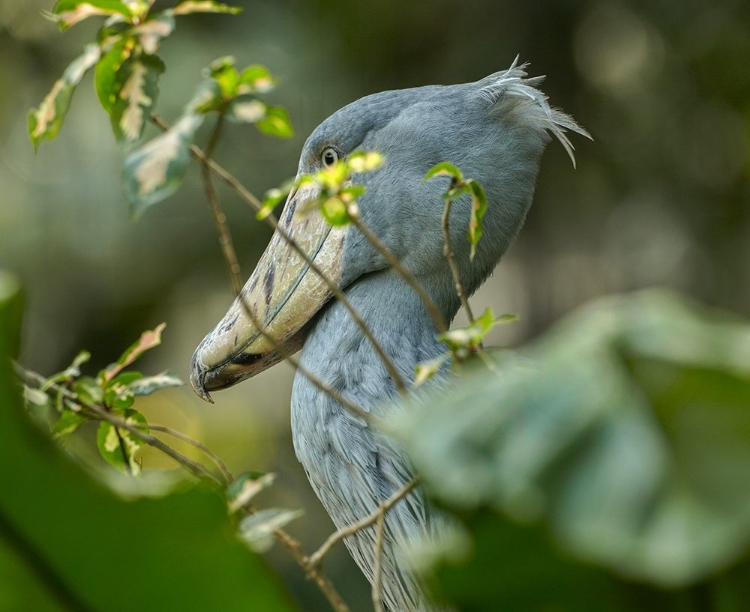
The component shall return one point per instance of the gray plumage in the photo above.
(495, 130)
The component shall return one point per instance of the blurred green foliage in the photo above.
(67, 542)
(623, 436)
(661, 197)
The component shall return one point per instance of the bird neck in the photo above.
(340, 354)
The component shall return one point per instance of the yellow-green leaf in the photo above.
(428, 369)
(444, 169)
(478, 209)
(256, 79)
(276, 123)
(44, 123)
(246, 109)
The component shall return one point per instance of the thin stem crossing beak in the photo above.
(283, 294)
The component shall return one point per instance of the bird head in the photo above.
(494, 130)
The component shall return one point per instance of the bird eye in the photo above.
(329, 157)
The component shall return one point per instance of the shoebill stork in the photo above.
(495, 130)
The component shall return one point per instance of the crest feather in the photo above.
(512, 87)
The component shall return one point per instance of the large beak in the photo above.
(281, 296)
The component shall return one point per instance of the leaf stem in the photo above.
(225, 236)
(393, 261)
(450, 256)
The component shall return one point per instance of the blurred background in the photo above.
(661, 197)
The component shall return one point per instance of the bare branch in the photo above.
(432, 307)
(377, 600)
(201, 447)
(448, 252)
(35, 380)
(225, 237)
(271, 221)
(324, 583)
(344, 532)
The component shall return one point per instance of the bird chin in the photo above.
(242, 366)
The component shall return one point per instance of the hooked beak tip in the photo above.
(197, 380)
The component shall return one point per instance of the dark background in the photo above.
(661, 197)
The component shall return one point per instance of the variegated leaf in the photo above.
(44, 123)
(155, 171)
(118, 446)
(151, 32)
(257, 529)
(246, 109)
(135, 92)
(70, 12)
(150, 384)
(204, 6)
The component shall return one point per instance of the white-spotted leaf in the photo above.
(69, 12)
(257, 529)
(135, 93)
(155, 171)
(204, 6)
(44, 123)
(118, 446)
(150, 384)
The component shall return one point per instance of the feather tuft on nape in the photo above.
(512, 86)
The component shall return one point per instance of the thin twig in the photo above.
(202, 447)
(377, 600)
(432, 307)
(344, 532)
(294, 362)
(225, 237)
(290, 543)
(99, 413)
(449, 255)
(324, 583)
(273, 222)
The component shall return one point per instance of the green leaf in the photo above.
(273, 198)
(105, 74)
(118, 446)
(148, 340)
(257, 529)
(427, 369)
(70, 12)
(459, 190)
(444, 169)
(52, 504)
(245, 487)
(152, 31)
(204, 6)
(224, 72)
(335, 212)
(352, 193)
(478, 209)
(135, 92)
(44, 123)
(471, 337)
(155, 171)
(256, 79)
(626, 442)
(276, 123)
(150, 384)
(68, 422)
(88, 390)
(246, 109)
